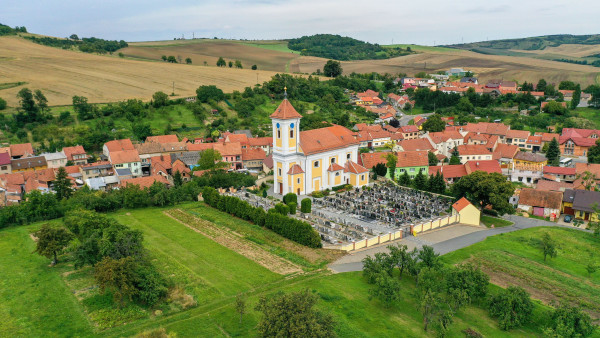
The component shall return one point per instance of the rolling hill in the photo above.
(61, 74)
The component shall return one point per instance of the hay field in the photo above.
(485, 66)
(268, 55)
(566, 51)
(61, 74)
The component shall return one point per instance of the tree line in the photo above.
(86, 45)
(275, 220)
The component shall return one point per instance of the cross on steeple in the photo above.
(285, 92)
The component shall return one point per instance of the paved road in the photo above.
(406, 118)
(353, 262)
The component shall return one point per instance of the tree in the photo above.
(164, 58)
(177, 179)
(405, 180)
(392, 159)
(40, 98)
(593, 154)
(332, 68)
(394, 123)
(387, 289)
(433, 160)
(380, 169)
(485, 189)
(292, 315)
(527, 87)
(2, 104)
(512, 307)
(206, 93)
(569, 321)
(588, 179)
(210, 159)
(427, 257)
(548, 246)
(82, 108)
(553, 153)
(240, 306)
(27, 102)
(117, 276)
(541, 85)
(420, 181)
(171, 59)
(160, 99)
(555, 108)
(591, 268)
(230, 64)
(74, 37)
(51, 241)
(188, 61)
(238, 64)
(455, 159)
(62, 185)
(221, 62)
(576, 97)
(254, 67)
(434, 123)
(141, 130)
(405, 260)
(464, 105)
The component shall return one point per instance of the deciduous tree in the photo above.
(332, 68)
(160, 99)
(62, 186)
(118, 277)
(392, 159)
(210, 159)
(548, 246)
(512, 307)
(433, 160)
(485, 189)
(569, 322)
(434, 123)
(51, 241)
(240, 306)
(221, 62)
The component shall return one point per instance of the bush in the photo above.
(306, 206)
(512, 306)
(290, 197)
(293, 206)
(275, 220)
(2, 104)
(491, 212)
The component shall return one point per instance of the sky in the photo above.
(419, 22)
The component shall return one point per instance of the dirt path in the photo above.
(234, 242)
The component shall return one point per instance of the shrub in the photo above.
(290, 197)
(293, 206)
(282, 209)
(490, 212)
(306, 205)
(512, 306)
(2, 104)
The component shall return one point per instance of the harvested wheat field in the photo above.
(61, 74)
(209, 51)
(485, 66)
(566, 50)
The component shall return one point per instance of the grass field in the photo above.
(515, 259)
(61, 74)
(38, 300)
(488, 221)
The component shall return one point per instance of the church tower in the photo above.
(286, 141)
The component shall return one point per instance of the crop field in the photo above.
(515, 259)
(267, 56)
(61, 74)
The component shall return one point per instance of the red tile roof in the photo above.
(416, 144)
(126, 156)
(241, 138)
(144, 182)
(76, 150)
(335, 167)
(487, 128)
(4, 158)
(250, 154)
(324, 139)
(449, 171)
(520, 134)
(285, 111)
(559, 170)
(489, 166)
(460, 204)
(368, 93)
(260, 141)
(295, 169)
(472, 149)
(540, 198)
(409, 129)
(162, 139)
(268, 162)
(119, 145)
(546, 185)
(505, 151)
(354, 168)
(21, 149)
(412, 159)
(369, 160)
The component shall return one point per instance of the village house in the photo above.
(469, 152)
(29, 164)
(445, 141)
(5, 163)
(409, 132)
(163, 139)
(145, 182)
(467, 212)
(576, 142)
(563, 174)
(411, 162)
(264, 143)
(505, 154)
(498, 129)
(312, 160)
(540, 203)
(148, 150)
(488, 166)
(586, 205)
(517, 137)
(55, 160)
(253, 158)
(451, 173)
(547, 185)
(416, 145)
(76, 155)
(527, 167)
(95, 170)
(127, 159)
(21, 150)
(587, 176)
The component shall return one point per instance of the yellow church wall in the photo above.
(337, 180)
(280, 177)
(295, 184)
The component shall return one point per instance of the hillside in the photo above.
(533, 43)
(343, 48)
(275, 56)
(61, 74)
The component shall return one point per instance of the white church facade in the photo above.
(312, 160)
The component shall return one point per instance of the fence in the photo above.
(414, 229)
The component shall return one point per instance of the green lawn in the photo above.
(496, 222)
(37, 300)
(590, 114)
(515, 258)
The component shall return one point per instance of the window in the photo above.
(362, 177)
(292, 133)
(348, 156)
(337, 174)
(316, 164)
(278, 133)
(4, 167)
(279, 171)
(412, 170)
(298, 180)
(333, 160)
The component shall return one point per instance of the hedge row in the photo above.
(290, 228)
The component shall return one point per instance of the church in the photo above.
(312, 160)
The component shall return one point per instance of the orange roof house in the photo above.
(144, 182)
(163, 139)
(21, 150)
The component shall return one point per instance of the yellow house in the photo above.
(529, 161)
(467, 212)
(29, 164)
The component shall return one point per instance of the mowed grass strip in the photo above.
(34, 301)
(488, 221)
(516, 259)
(189, 256)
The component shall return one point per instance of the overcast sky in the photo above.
(420, 22)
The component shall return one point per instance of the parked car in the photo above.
(568, 218)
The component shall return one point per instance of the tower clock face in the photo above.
(277, 125)
(292, 125)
